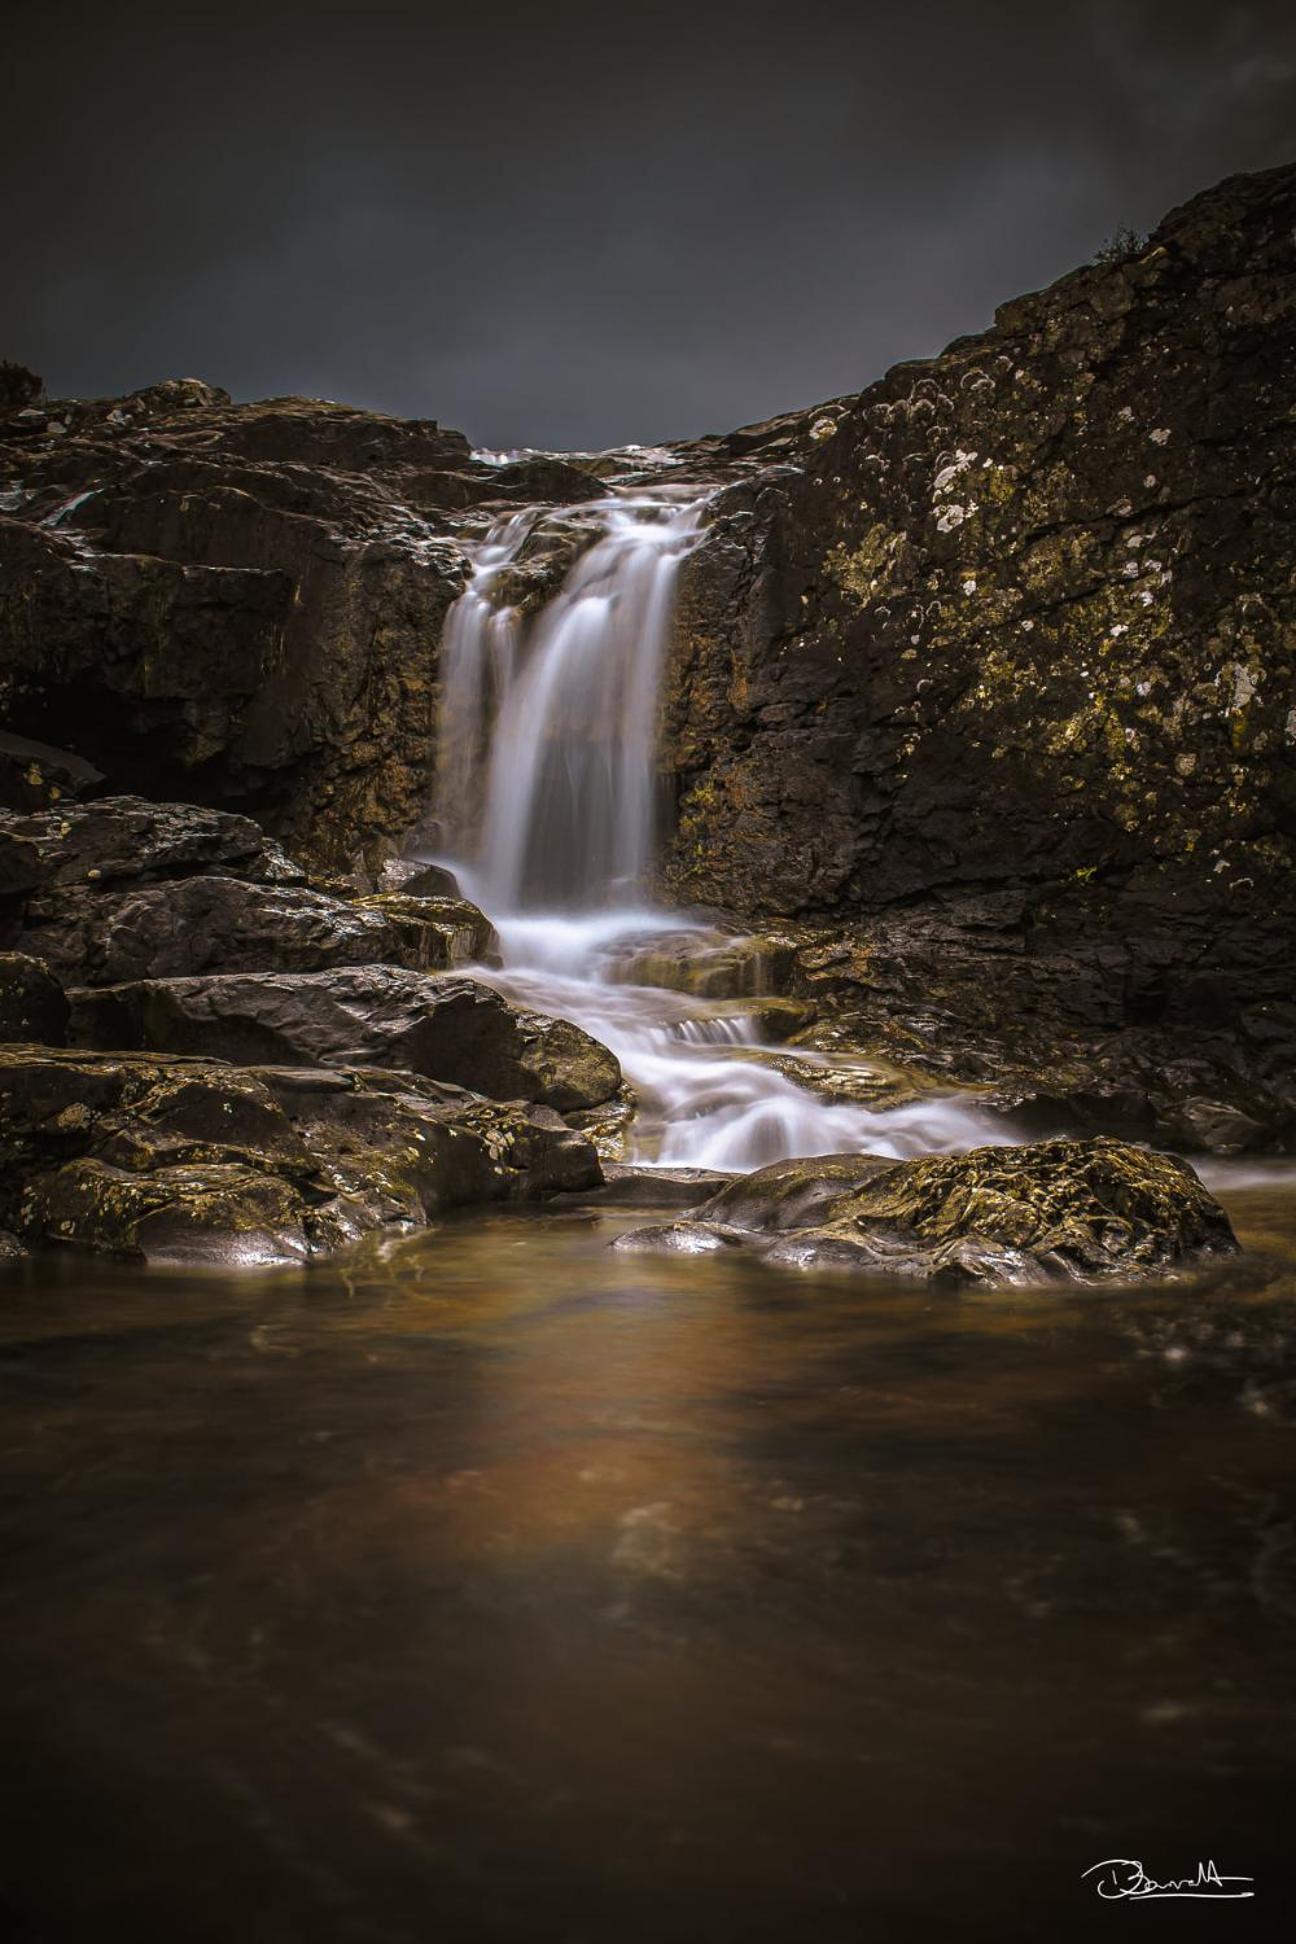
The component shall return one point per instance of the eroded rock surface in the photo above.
(193, 1161)
(33, 1005)
(444, 1028)
(1058, 1211)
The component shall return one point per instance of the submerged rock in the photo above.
(192, 1161)
(1073, 1211)
(446, 1028)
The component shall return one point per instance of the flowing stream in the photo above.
(547, 799)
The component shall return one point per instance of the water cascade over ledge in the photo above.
(547, 795)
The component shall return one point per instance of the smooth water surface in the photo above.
(494, 1586)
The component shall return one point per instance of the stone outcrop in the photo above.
(220, 1007)
(445, 1028)
(115, 840)
(217, 924)
(241, 602)
(983, 703)
(191, 1161)
(1057, 1212)
(33, 1005)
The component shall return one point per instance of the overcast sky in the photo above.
(567, 224)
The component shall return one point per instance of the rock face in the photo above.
(214, 601)
(990, 671)
(448, 1029)
(197, 1162)
(984, 686)
(216, 924)
(1021, 611)
(116, 840)
(185, 931)
(1060, 1211)
(33, 1005)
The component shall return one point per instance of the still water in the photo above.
(494, 1586)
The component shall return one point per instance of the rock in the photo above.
(189, 1161)
(218, 1215)
(115, 840)
(221, 924)
(238, 601)
(637, 1187)
(35, 776)
(19, 387)
(446, 1028)
(791, 1194)
(11, 1249)
(436, 933)
(415, 880)
(33, 1006)
(707, 964)
(1058, 1211)
(203, 924)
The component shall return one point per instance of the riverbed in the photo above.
(487, 1584)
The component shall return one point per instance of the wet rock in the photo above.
(415, 880)
(114, 840)
(234, 601)
(638, 1187)
(792, 1194)
(11, 1249)
(436, 933)
(1058, 1211)
(33, 1006)
(218, 1215)
(706, 964)
(205, 924)
(609, 1124)
(222, 924)
(190, 1161)
(446, 1028)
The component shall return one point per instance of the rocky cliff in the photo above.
(984, 677)
(1021, 613)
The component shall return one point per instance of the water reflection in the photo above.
(497, 1586)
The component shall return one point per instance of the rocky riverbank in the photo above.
(981, 709)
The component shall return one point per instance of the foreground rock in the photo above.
(121, 839)
(449, 1029)
(1059, 1211)
(190, 1161)
(1075, 1010)
(221, 924)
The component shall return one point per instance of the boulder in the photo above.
(436, 932)
(33, 1005)
(445, 1028)
(1057, 1211)
(629, 1186)
(115, 840)
(415, 880)
(225, 924)
(189, 1161)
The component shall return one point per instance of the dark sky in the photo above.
(560, 223)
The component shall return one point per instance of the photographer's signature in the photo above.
(1121, 1877)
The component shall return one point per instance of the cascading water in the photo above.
(557, 846)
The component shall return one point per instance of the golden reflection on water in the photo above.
(493, 1576)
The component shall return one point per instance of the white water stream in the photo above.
(546, 794)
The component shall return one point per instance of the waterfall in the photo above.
(570, 782)
(478, 657)
(547, 798)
